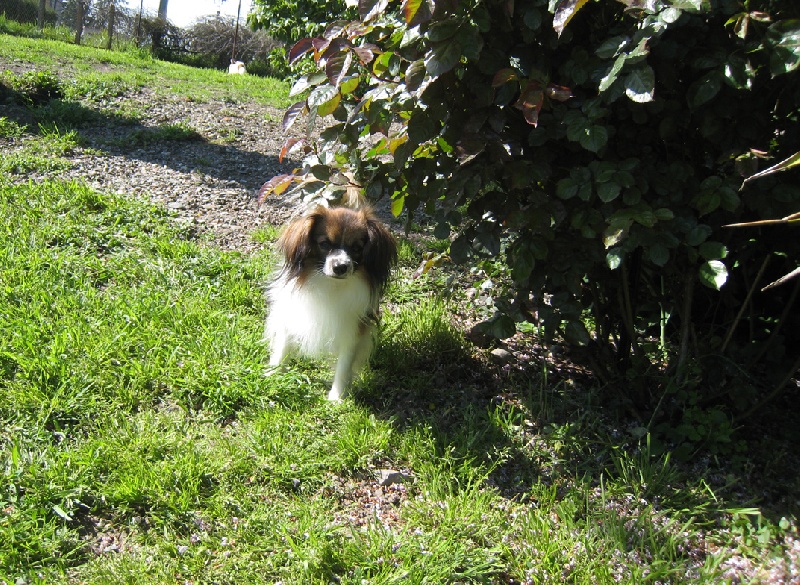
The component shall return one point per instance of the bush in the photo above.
(210, 43)
(590, 155)
(290, 20)
(35, 87)
(27, 11)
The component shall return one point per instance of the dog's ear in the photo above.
(380, 253)
(295, 243)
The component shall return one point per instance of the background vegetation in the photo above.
(587, 157)
(211, 42)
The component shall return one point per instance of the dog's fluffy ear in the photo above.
(295, 243)
(380, 253)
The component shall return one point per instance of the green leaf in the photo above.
(594, 138)
(422, 127)
(349, 84)
(611, 47)
(658, 254)
(443, 30)
(575, 333)
(664, 214)
(522, 264)
(398, 203)
(707, 202)
(565, 10)
(443, 58)
(322, 95)
(704, 89)
(614, 258)
(607, 192)
(698, 234)
(713, 274)
(415, 75)
(713, 250)
(532, 18)
(499, 326)
(381, 64)
(640, 84)
(329, 106)
(566, 189)
(616, 232)
(784, 39)
(613, 73)
(459, 249)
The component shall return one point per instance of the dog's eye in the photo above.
(324, 244)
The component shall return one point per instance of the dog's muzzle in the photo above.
(338, 264)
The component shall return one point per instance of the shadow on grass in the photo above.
(176, 146)
(542, 423)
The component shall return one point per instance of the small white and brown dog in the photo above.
(325, 298)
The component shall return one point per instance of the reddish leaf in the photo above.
(417, 11)
(530, 102)
(290, 145)
(335, 29)
(504, 76)
(366, 53)
(565, 10)
(299, 49)
(338, 66)
(277, 185)
(320, 46)
(559, 93)
(355, 29)
(369, 9)
(292, 113)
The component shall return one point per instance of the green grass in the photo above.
(96, 74)
(142, 442)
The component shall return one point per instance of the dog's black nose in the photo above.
(340, 269)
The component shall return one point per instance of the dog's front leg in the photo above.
(279, 349)
(343, 375)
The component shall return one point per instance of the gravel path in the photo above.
(211, 181)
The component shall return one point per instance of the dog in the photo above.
(237, 68)
(324, 299)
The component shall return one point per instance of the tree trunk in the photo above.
(111, 14)
(79, 22)
(40, 17)
(162, 9)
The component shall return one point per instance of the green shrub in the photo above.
(591, 153)
(36, 87)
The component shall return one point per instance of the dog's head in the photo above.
(338, 242)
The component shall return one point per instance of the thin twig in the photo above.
(771, 396)
(744, 305)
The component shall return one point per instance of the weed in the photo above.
(180, 132)
(36, 87)
(11, 129)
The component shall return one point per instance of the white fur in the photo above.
(237, 67)
(324, 316)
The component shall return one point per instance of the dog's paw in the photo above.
(335, 395)
(271, 370)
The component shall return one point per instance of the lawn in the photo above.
(142, 442)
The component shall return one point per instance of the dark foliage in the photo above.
(592, 154)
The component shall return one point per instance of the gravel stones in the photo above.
(203, 161)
